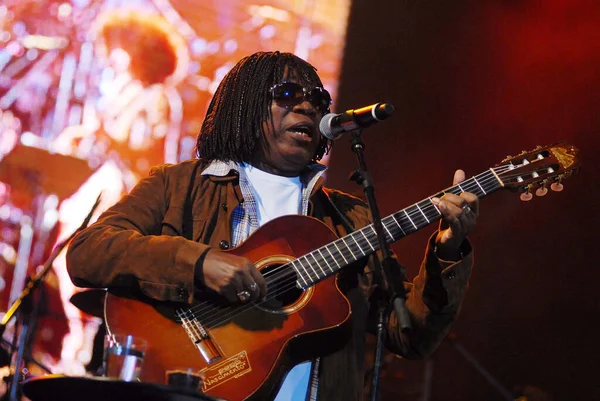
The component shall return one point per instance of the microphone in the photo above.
(333, 125)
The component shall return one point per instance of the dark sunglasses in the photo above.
(289, 94)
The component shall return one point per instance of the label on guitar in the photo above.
(231, 368)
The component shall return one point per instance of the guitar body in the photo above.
(246, 356)
(243, 351)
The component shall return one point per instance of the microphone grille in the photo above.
(325, 126)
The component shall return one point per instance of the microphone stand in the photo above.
(390, 275)
(24, 302)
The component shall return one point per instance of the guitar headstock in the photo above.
(536, 170)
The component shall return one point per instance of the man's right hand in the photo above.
(230, 275)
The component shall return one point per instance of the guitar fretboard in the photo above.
(323, 262)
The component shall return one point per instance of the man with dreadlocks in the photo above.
(257, 160)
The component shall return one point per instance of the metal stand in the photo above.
(23, 304)
(390, 275)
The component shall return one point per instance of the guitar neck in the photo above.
(327, 260)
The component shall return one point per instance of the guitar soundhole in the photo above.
(282, 290)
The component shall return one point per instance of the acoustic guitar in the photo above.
(244, 350)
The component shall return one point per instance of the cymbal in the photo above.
(65, 388)
(34, 170)
(90, 301)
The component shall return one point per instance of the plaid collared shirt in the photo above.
(245, 216)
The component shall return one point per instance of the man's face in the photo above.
(291, 138)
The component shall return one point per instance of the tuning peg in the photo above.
(526, 196)
(556, 186)
(542, 190)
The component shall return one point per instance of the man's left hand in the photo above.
(459, 213)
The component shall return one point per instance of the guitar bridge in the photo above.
(199, 336)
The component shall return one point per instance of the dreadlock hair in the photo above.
(233, 127)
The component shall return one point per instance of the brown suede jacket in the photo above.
(152, 239)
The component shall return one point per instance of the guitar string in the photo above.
(290, 273)
(248, 306)
(344, 245)
(339, 240)
(291, 284)
(231, 311)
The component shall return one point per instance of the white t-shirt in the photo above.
(275, 195)
(280, 196)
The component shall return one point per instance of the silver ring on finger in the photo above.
(253, 287)
(466, 208)
(243, 296)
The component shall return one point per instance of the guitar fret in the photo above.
(474, 178)
(357, 244)
(333, 257)
(433, 213)
(325, 259)
(345, 250)
(420, 210)
(391, 227)
(472, 186)
(340, 252)
(386, 229)
(368, 242)
(311, 267)
(493, 181)
(417, 216)
(427, 218)
(480, 185)
(318, 264)
(299, 273)
(394, 217)
(349, 249)
(373, 236)
(328, 259)
(324, 262)
(308, 275)
(412, 222)
(404, 222)
(435, 207)
(363, 241)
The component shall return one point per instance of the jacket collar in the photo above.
(219, 170)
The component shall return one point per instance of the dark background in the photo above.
(472, 82)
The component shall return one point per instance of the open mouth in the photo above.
(302, 130)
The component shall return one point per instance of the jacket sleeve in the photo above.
(125, 248)
(434, 299)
